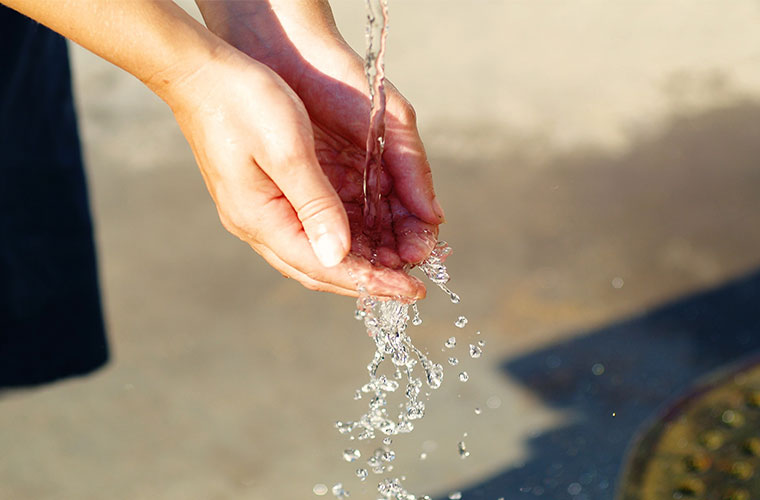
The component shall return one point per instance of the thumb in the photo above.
(324, 221)
(299, 176)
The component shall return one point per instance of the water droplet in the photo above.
(339, 492)
(461, 322)
(597, 369)
(416, 320)
(369, 302)
(453, 361)
(464, 377)
(475, 351)
(732, 418)
(386, 322)
(344, 427)
(574, 489)
(319, 489)
(478, 411)
(462, 449)
(617, 282)
(455, 495)
(493, 402)
(435, 376)
(477, 333)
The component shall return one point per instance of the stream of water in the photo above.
(374, 68)
(410, 374)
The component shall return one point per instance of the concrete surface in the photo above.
(600, 167)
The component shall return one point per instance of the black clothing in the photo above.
(51, 325)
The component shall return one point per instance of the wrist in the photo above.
(278, 33)
(186, 55)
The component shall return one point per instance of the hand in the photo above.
(250, 134)
(254, 143)
(300, 42)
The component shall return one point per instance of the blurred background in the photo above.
(599, 163)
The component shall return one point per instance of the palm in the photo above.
(329, 79)
(398, 239)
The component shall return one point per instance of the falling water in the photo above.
(386, 321)
(374, 68)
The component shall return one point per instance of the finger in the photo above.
(281, 233)
(379, 252)
(291, 272)
(374, 279)
(343, 105)
(415, 238)
(406, 160)
(287, 156)
(387, 253)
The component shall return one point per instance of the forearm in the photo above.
(155, 40)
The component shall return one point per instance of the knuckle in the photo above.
(407, 113)
(317, 208)
(289, 162)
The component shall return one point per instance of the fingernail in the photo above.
(438, 210)
(329, 250)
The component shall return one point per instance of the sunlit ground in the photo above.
(599, 165)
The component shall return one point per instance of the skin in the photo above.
(273, 104)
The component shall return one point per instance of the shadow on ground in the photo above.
(613, 379)
(694, 181)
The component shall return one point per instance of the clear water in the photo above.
(339, 492)
(398, 370)
(351, 455)
(374, 68)
(462, 449)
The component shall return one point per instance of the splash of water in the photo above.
(386, 321)
(395, 365)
